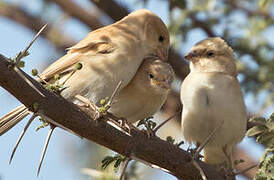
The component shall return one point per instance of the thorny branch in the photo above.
(152, 150)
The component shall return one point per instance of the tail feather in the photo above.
(12, 118)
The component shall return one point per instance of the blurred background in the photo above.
(248, 26)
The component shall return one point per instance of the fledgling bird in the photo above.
(108, 55)
(211, 95)
(146, 92)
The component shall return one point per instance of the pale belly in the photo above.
(208, 103)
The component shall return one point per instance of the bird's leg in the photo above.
(21, 136)
(120, 122)
(124, 124)
(228, 169)
(228, 157)
(52, 127)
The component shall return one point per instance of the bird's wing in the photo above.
(75, 54)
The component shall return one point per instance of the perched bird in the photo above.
(108, 55)
(212, 100)
(146, 92)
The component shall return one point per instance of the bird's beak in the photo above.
(189, 56)
(164, 84)
(162, 53)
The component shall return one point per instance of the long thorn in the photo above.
(200, 148)
(21, 136)
(123, 173)
(163, 123)
(114, 93)
(27, 48)
(202, 173)
(70, 75)
(52, 127)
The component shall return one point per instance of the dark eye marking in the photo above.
(151, 76)
(210, 54)
(161, 38)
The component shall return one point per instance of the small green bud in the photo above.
(170, 139)
(102, 109)
(21, 64)
(103, 102)
(56, 76)
(78, 66)
(35, 106)
(34, 72)
(26, 53)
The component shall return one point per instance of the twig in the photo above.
(110, 102)
(21, 136)
(69, 76)
(123, 173)
(163, 123)
(52, 127)
(68, 115)
(86, 102)
(200, 148)
(200, 169)
(43, 80)
(245, 170)
(180, 143)
(27, 80)
(19, 57)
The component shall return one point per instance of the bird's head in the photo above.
(155, 76)
(212, 55)
(154, 34)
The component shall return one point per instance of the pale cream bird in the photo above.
(146, 93)
(108, 55)
(211, 95)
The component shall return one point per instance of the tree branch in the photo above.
(62, 113)
(76, 11)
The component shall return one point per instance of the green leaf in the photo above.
(117, 159)
(271, 118)
(256, 130)
(257, 120)
(266, 139)
(107, 161)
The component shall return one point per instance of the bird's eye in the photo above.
(151, 76)
(210, 54)
(161, 38)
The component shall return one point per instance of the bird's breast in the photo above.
(208, 100)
